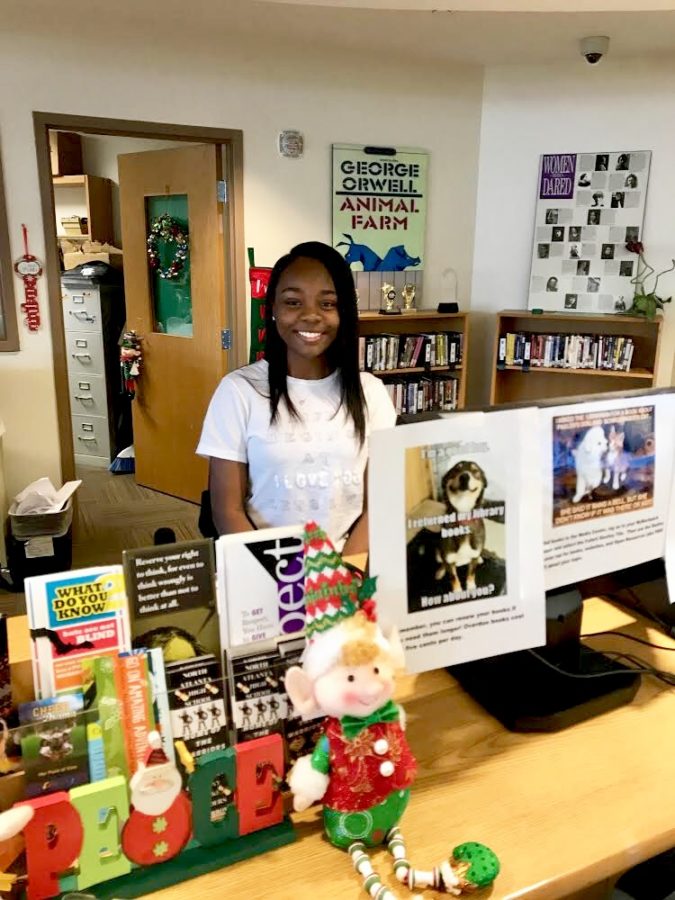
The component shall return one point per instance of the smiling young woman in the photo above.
(287, 436)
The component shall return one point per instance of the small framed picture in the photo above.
(570, 301)
(607, 251)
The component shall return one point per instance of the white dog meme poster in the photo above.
(453, 511)
(607, 485)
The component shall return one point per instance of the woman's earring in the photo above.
(274, 318)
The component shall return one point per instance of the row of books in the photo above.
(566, 351)
(426, 394)
(383, 352)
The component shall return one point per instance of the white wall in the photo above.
(627, 105)
(193, 77)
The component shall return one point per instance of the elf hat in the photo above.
(333, 595)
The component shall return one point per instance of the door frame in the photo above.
(235, 274)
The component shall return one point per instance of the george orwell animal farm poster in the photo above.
(379, 207)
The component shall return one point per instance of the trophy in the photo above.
(408, 294)
(389, 300)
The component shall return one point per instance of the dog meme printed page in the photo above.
(607, 472)
(455, 525)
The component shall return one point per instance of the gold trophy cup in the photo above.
(389, 307)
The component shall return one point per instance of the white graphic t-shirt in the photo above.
(312, 469)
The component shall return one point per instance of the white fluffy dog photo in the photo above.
(588, 461)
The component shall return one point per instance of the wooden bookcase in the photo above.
(421, 321)
(513, 383)
(93, 196)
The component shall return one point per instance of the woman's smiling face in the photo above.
(306, 316)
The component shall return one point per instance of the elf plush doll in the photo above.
(362, 767)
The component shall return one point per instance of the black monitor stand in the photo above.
(552, 687)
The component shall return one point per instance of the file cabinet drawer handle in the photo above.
(81, 438)
(82, 316)
(83, 398)
(81, 356)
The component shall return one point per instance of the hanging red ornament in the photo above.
(29, 268)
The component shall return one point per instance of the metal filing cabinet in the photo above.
(93, 318)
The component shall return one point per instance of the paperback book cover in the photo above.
(300, 735)
(54, 744)
(198, 715)
(257, 697)
(72, 616)
(261, 585)
(172, 599)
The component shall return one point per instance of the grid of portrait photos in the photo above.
(589, 206)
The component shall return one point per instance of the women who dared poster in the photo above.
(379, 207)
(589, 205)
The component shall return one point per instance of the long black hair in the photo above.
(343, 353)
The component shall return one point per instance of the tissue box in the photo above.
(47, 524)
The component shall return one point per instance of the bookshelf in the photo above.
(512, 383)
(417, 323)
(85, 195)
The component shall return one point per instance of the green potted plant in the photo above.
(646, 302)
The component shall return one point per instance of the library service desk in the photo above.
(562, 811)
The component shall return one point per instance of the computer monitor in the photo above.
(551, 687)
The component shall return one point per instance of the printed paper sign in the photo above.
(453, 510)
(607, 483)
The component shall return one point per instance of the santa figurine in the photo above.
(160, 822)
(362, 767)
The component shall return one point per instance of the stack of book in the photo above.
(566, 351)
(384, 352)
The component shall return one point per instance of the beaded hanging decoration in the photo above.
(166, 228)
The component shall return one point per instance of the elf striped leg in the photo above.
(371, 880)
(441, 878)
(471, 866)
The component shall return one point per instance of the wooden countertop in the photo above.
(563, 811)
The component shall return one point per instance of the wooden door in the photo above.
(179, 320)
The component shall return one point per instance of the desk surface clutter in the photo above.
(562, 811)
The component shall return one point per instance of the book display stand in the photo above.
(159, 755)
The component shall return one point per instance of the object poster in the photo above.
(261, 585)
(607, 474)
(379, 207)
(589, 207)
(73, 616)
(454, 518)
